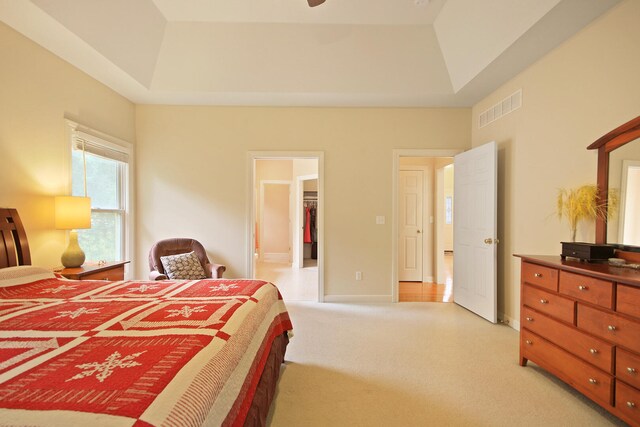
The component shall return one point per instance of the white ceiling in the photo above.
(349, 12)
(281, 52)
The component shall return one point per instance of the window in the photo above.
(107, 183)
(448, 210)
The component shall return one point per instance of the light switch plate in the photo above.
(380, 219)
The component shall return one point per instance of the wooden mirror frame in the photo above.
(606, 144)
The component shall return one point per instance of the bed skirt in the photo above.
(266, 390)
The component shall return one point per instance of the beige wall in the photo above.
(311, 185)
(193, 169)
(37, 91)
(274, 169)
(575, 94)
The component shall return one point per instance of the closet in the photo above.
(310, 216)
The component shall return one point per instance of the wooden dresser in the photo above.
(581, 322)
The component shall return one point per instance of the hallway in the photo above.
(429, 292)
(295, 284)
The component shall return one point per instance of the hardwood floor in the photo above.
(302, 284)
(429, 292)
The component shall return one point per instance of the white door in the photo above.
(410, 227)
(475, 231)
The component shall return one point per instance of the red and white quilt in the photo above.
(174, 353)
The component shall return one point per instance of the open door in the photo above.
(475, 231)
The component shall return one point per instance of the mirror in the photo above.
(618, 170)
(623, 225)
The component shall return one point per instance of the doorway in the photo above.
(423, 226)
(285, 244)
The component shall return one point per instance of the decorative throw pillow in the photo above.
(183, 266)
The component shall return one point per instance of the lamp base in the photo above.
(73, 256)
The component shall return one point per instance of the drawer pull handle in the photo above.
(631, 404)
(593, 350)
(530, 319)
(631, 370)
(529, 342)
(611, 328)
(593, 381)
(544, 301)
(537, 274)
(583, 287)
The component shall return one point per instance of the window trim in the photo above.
(76, 130)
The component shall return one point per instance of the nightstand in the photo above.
(112, 271)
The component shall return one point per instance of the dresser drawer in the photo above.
(628, 300)
(538, 275)
(609, 326)
(552, 304)
(628, 403)
(113, 275)
(628, 367)
(595, 291)
(586, 347)
(585, 378)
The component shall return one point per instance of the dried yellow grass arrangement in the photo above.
(581, 203)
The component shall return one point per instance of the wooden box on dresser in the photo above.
(581, 322)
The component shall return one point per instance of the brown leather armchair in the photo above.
(180, 246)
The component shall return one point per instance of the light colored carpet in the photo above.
(415, 364)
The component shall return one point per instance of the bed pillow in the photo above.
(183, 266)
(21, 274)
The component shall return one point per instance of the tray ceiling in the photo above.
(281, 52)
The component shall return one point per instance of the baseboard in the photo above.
(357, 298)
(275, 257)
(513, 323)
(428, 279)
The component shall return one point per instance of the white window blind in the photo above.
(99, 147)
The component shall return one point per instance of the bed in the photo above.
(133, 353)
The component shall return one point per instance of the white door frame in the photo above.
(438, 213)
(394, 203)
(298, 235)
(261, 220)
(252, 156)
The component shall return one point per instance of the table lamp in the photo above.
(72, 213)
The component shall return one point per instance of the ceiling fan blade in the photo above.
(314, 3)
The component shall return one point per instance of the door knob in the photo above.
(488, 241)
(418, 231)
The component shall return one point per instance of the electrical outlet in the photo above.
(358, 275)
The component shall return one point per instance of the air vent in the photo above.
(507, 105)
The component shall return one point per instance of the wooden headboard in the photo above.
(14, 247)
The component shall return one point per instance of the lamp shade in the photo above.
(72, 212)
